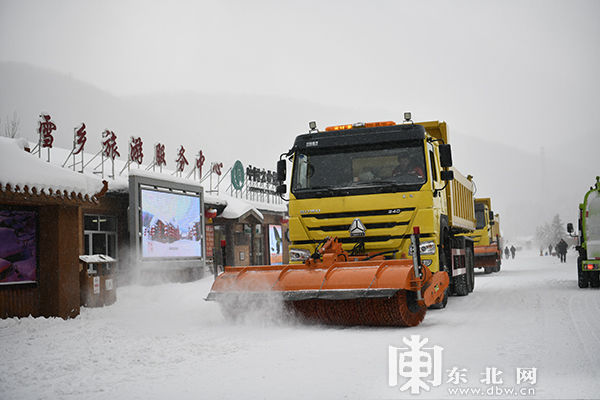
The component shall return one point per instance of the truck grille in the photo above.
(382, 225)
(366, 239)
(356, 214)
(342, 228)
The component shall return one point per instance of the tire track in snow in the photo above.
(586, 324)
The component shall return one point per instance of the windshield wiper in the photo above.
(317, 190)
(377, 182)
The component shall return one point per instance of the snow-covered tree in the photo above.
(551, 232)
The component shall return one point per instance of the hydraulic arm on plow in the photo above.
(333, 287)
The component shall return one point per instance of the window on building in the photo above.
(100, 234)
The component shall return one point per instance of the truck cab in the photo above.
(371, 184)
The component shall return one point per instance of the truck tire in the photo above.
(488, 270)
(461, 285)
(462, 282)
(445, 256)
(594, 279)
(470, 261)
(582, 276)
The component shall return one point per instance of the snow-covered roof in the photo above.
(20, 168)
(237, 208)
(21, 171)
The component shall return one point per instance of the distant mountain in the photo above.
(526, 187)
(226, 127)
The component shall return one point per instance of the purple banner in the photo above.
(18, 246)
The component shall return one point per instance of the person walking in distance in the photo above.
(561, 249)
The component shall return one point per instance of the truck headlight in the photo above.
(299, 255)
(426, 248)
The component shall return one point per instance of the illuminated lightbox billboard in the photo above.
(275, 244)
(18, 247)
(171, 224)
(166, 223)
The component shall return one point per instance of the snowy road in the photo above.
(166, 342)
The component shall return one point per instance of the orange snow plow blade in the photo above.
(338, 289)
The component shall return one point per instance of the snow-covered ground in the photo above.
(166, 342)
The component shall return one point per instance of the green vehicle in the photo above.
(588, 262)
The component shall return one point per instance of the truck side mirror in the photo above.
(447, 175)
(281, 189)
(445, 155)
(281, 173)
(491, 215)
(570, 227)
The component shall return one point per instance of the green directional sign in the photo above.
(237, 175)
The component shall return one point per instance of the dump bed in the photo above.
(461, 209)
(496, 227)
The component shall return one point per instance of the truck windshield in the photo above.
(480, 216)
(353, 171)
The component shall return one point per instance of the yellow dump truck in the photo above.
(488, 246)
(378, 217)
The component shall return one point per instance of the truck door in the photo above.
(434, 173)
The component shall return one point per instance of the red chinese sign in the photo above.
(159, 155)
(216, 168)
(109, 145)
(200, 162)
(181, 160)
(135, 150)
(80, 139)
(45, 130)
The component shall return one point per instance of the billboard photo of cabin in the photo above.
(171, 225)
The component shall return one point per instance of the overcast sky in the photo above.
(462, 61)
(524, 73)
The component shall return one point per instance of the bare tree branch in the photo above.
(11, 127)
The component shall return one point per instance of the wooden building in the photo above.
(41, 220)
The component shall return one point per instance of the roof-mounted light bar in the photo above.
(359, 125)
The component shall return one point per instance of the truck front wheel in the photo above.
(582, 276)
(462, 281)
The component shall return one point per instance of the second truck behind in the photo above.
(488, 246)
